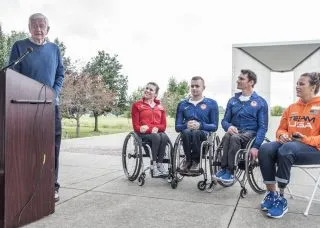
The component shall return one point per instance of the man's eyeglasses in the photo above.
(41, 26)
(194, 86)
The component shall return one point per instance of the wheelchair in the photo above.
(246, 170)
(206, 153)
(133, 153)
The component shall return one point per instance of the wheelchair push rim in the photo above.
(253, 173)
(132, 156)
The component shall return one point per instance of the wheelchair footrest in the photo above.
(161, 176)
(166, 161)
(216, 163)
(191, 173)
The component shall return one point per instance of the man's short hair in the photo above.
(251, 75)
(38, 16)
(198, 78)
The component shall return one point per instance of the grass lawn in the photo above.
(106, 125)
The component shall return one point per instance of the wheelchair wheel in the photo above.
(255, 178)
(243, 192)
(141, 181)
(202, 185)
(253, 173)
(177, 158)
(132, 156)
(174, 183)
(212, 149)
(168, 159)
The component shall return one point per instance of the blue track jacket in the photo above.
(206, 113)
(250, 115)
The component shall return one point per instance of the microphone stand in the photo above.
(15, 62)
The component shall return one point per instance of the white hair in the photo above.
(38, 16)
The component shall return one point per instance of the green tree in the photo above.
(109, 68)
(101, 99)
(68, 66)
(121, 98)
(174, 94)
(75, 98)
(6, 43)
(277, 110)
(3, 48)
(221, 109)
(135, 95)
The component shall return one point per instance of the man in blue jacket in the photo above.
(195, 117)
(45, 65)
(246, 116)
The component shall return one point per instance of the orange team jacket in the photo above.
(143, 114)
(304, 118)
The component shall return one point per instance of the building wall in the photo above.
(309, 65)
(241, 60)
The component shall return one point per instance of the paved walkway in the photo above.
(96, 193)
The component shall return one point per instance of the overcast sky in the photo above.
(156, 39)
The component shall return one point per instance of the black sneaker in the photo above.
(195, 167)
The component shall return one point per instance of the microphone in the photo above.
(15, 62)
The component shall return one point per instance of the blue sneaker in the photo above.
(220, 173)
(227, 177)
(268, 200)
(279, 208)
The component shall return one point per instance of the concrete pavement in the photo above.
(96, 193)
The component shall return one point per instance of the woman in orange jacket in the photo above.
(149, 122)
(298, 142)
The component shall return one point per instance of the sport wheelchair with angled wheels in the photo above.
(206, 153)
(246, 170)
(133, 153)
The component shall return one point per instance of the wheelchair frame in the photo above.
(141, 150)
(244, 168)
(206, 152)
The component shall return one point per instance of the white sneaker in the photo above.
(155, 172)
(56, 196)
(161, 168)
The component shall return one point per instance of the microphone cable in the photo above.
(37, 182)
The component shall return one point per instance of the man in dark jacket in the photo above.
(195, 118)
(246, 116)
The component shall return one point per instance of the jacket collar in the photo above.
(157, 101)
(253, 95)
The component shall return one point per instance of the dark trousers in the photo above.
(158, 143)
(57, 146)
(231, 144)
(274, 154)
(192, 140)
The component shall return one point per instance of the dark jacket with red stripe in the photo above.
(143, 114)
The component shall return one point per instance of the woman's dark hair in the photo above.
(155, 85)
(314, 79)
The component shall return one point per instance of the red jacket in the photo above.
(143, 114)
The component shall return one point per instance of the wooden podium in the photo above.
(26, 149)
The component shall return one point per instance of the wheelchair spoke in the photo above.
(131, 157)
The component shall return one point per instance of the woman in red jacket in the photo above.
(149, 122)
